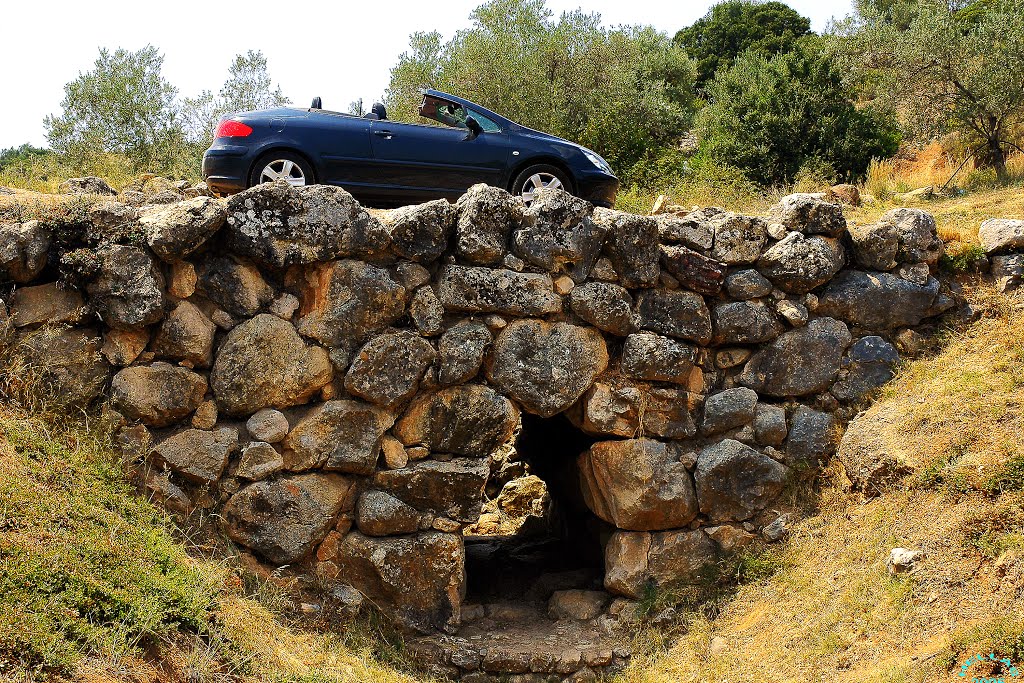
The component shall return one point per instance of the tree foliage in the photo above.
(622, 92)
(945, 66)
(248, 87)
(773, 117)
(123, 105)
(733, 27)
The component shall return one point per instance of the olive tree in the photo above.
(945, 66)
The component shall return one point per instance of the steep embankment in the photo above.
(830, 610)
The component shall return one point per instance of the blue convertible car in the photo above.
(388, 162)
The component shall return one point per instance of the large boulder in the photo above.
(809, 214)
(916, 235)
(180, 229)
(800, 362)
(1000, 235)
(452, 489)
(67, 363)
(693, 230)
(420, 232)
(648, 356)
(636, 561)
(745, 322)
(198, 455)
(546, 366)
(618, 408)
(486, 217)
(158, 395)
(283, 519)
(604, 305)
(338, 435)
(47, 304)
(381, 514)
(674, 313)
(558, 235)
(798, 264)
(419, 579)
(735, 482)
(387, 370)
(738, 239)
(461, 351)
(486, 290)
(234, 284)
(469, 419)
(278, 225)
(729, 409)
(23, 251)
(346, 301)
(263, 363)
(186, 334)
(632, 246)
(637, 484)
(875, 245)
(877, 301)
(128, 292)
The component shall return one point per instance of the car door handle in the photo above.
(386, 134)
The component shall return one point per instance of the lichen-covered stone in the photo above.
(1001, 235)
(278, 225)
(346, 301)
(693, 230)
(798, 264)
(283, 519)
(427, 312)
(387, 370)
(807, 213)
(648, 356)
(747, 284)
(631, 409)
(679, 314)
(338, 435)
(546, 366)
(158, 395)
(855, 296)
(451, 489)
(234, 284)
(468, 419)
(420, 233)
(259, 460)
(604, 305)
(558, 235)
(129, 290)
(637, 484)
(916, 235)
(800, 362)
(871, 362)
(461, 351)
(728, 409)
(744, 322)
(486, 217)
(182, 228)
(632, 246)
(23, 251)
(381, 514)
(186, 335)
(738, 239)
(770, 427)
(813, 439)
(263, 363)
(486, 290)
(734, 481)
(875, 245)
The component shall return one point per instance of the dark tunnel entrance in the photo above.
(557, 543)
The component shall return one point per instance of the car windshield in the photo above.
(453, 114)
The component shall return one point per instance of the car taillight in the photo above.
(233, 129)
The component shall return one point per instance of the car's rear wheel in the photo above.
(534, 178)
(281, 166)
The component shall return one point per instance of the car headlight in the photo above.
(596, 159)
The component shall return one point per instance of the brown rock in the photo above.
(387, 370)
(23, 251)
(182, 283)
(158, 395)
(129, 291)
(122, 347)
(338, 435)
(259, 461)
(67, 363)
(264, 363)
(186, 334)
(268, 425)
(380, 514)
(637, 484)
(468, 420)
(635, 560)
(45, 304)
(197, 455)
(234, 284)
(452, 489)
(619, 408)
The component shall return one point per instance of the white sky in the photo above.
(339, 50)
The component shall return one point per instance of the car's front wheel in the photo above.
(281, 166)
(534, 178)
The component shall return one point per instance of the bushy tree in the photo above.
(123, 105)
(945, 66)
(622, 92)
(772, 117)
(733, 27)
(248, 87)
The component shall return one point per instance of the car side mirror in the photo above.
(474, 127)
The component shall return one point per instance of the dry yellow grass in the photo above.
(833, 613)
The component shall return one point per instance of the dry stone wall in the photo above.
(332, 382)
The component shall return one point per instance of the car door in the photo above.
(345, 150)
(436, 159)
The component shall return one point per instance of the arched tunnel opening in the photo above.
(536, 534)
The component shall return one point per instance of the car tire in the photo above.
(282, 165)
(546, 175)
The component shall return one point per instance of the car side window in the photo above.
(453, 114)
(487, 124)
